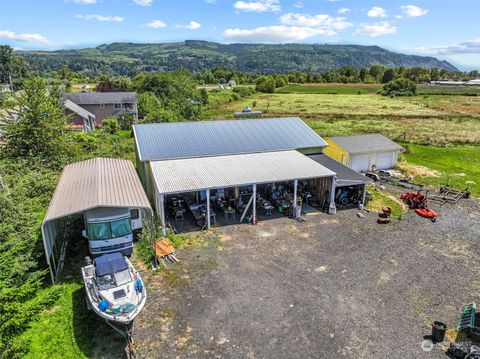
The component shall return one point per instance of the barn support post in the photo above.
(254, 209)
(208, 208)
(295, 188)
(364, 194)
(332, 209)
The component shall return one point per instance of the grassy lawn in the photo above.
(455, 164)
(380, 199)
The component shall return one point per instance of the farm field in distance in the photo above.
(441, 129)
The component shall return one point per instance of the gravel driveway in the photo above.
(331, 287)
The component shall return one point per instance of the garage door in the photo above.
(360, 163)
(384, 161)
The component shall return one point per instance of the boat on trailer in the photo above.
(115, 290)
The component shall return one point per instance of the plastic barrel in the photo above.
(438, 331)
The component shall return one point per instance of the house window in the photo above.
(117, 106)
(102, 105)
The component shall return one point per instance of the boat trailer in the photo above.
(126, 331)
(451, 195)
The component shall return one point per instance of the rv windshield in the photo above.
(99, 231)
(109, 230)
(122, 227)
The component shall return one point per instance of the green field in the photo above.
(442, 131)
(455, 165)
(331, 89)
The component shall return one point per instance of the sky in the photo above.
(445, 29)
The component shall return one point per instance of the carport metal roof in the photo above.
(345, 175)
(99, 182)
(195, 174)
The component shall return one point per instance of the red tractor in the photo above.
(419, 203)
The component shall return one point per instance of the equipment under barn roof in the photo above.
(195, 174)
(95, 183)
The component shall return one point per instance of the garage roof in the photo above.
(345, 175)
(368, 143)
(194, 174)
(163, 141)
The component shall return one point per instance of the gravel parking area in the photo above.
(330, 287)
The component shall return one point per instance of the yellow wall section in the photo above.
(336, 152)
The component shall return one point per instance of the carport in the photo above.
(95, 183)
(347, 178)
(234, 171)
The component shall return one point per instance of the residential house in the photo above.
(89, 109)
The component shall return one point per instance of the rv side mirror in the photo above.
(84, 233)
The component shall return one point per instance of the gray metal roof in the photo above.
(72, 106)
(194, 174)
(345, 175)
(161, 141)
(99, 182)
(97, 98)
(366, 143)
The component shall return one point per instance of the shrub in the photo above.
(266, 84)
(399, 87)
(236, 96)
(110, 125)
(244, 91)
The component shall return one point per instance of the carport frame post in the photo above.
(295, 187)
(364, 194)
(208, 208)
(162, 214)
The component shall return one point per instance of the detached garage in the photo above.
(364, 152)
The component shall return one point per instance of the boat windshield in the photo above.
(110, 281)
(109, 230)
(122, 277)
(106, 281)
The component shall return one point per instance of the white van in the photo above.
(111, 230)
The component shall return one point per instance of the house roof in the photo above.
(162, 141)
(80, 111)
(194, 174)
(97, 98)
(366, 143)
(345, 175)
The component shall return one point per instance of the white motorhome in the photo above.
(111, 230)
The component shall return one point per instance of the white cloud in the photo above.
(85, 2)
(320, 20)
(398, 17)
(192, 25)
(211, 1)
(414, 11)
(377, 11)
(143, 2)
(467, 47)
(156, 24)
(298, 5)
(376, 29)
(274, 34)
(36, 38)
(343, 10)
(333, 0)
(258, 6)
(101, 18)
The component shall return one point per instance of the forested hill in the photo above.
(131, 58)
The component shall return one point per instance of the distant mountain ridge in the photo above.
(130, 58)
